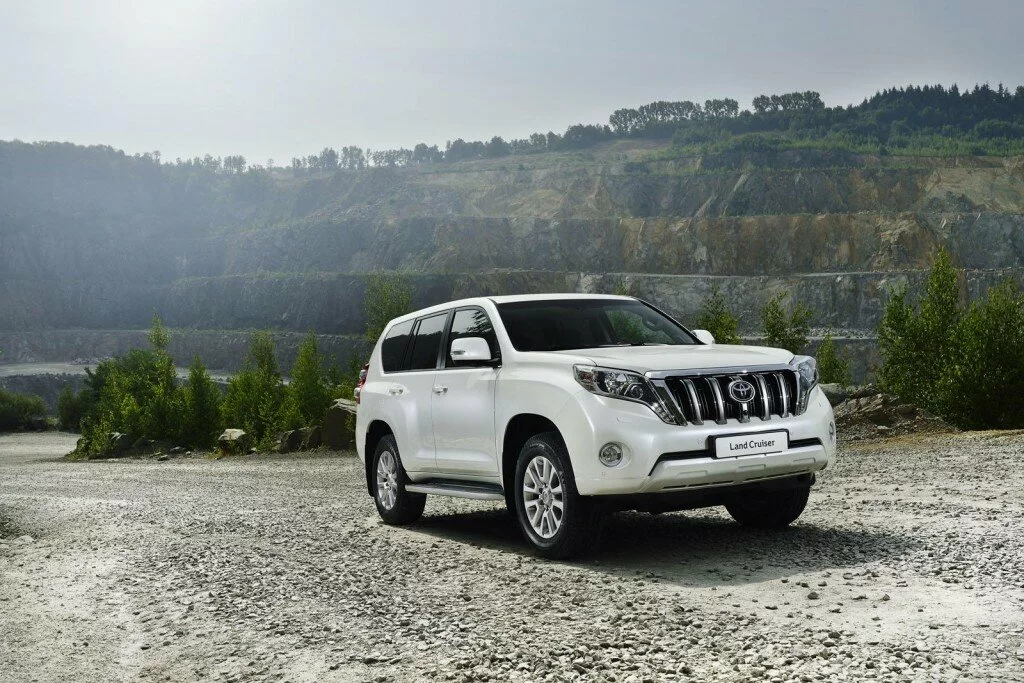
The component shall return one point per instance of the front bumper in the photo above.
(663, 458)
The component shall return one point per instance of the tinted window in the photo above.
(471, 322)
(392, 351)
(555, 325)
(427, 342)
(630, 328)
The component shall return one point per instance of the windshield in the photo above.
(563, 324)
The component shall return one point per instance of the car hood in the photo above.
(656, 358)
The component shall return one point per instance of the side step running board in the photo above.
(458, 490)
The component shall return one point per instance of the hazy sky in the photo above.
(280, 79)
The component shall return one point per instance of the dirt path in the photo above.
(907, 565)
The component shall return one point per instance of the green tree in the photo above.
(917, 345)
(785, 330)
(255, 398)
(388, 296)
(159, 337)
(716, 317)
(982, 380)
(202, 408)
(309, 392)
(832, 368)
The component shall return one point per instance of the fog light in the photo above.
(610, 455)
(832, 432)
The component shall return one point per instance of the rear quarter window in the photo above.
(392, 350)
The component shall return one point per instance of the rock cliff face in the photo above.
(837, 231)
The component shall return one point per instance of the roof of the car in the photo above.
(504, 299)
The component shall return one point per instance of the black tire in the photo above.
(579, 523)
(405, 507)
(771, 510)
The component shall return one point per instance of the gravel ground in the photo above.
(907, 565)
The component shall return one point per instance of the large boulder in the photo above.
(312, 437)
(339, 426)
(290, 441)
(142, 444)
(835, 393)
(869, 413)
(118, 443)
(234, 441)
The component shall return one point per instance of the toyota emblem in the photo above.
(741, 390)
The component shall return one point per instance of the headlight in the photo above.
(806, 379)
(629, 386)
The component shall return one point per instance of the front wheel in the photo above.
(557, 521)
(395, 505)
(772, 510)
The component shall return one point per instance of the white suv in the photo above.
(567, 406)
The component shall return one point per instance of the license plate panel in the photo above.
(759, 443)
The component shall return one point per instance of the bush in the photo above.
(71, 408)
(832, 368)
(255, 399)
(785, 330)
(135, 394)
(19, 411)
(202, 422)
(388, 296)
(964, 364)
(716, 318)
(341, 383)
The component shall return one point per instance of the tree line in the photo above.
(909, 120)
(923, 120)
(982, 120)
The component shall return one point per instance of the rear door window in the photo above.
(427, 342)
(392, 351)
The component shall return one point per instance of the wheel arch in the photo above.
(375, 431)
(518, 431)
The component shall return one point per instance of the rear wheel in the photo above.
(557, 521)
(394, 504)
(772, 510)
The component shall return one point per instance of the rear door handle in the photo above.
(440, 390)
(395, 391)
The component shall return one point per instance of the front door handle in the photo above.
(395, 391)
(440, 390)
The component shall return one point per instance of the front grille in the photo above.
(701, 398)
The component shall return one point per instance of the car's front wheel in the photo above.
(557, 521)
(771, 510)
(395, 505)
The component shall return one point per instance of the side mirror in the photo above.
(704, 336)
(471, 350)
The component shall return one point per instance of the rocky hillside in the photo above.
(87, 257)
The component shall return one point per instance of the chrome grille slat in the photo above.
(691, 391)
(716, 391)
(783, 393)
(762, 386)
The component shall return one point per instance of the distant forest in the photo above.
(916, 120)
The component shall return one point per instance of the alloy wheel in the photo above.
(387, 479)
(543, 497)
